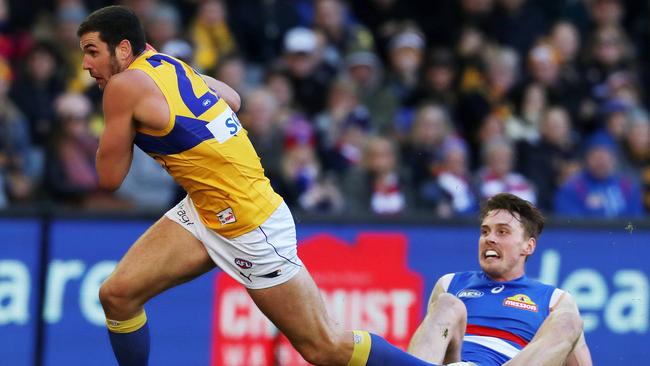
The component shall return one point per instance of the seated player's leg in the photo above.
(164, 256)
(553, 342)
(439, 337)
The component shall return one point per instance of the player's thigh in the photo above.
(164, 256)
(297, 309)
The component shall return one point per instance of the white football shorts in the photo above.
(264, 257)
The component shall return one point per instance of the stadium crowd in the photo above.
(359, 106)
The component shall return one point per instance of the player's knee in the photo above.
(454, 308)
(115, 294)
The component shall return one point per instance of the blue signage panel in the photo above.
(19, 275)
(606, 270)
(83, 254)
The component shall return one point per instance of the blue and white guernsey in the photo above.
(502, 317)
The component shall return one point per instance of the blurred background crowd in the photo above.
(359, 106)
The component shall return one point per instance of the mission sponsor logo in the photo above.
(520, 301)
(469, 293)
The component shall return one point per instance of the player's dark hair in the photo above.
(529, 216)
(114, 24)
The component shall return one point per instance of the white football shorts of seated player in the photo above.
(264, 257)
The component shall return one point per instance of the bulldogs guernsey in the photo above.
(502, 317)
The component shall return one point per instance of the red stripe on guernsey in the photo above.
(497, 333)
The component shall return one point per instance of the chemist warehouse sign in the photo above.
(366, 285)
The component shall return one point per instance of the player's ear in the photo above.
(531, 244)
(123, 50)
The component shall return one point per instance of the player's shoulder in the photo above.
(130, 82)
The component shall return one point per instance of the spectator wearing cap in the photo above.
(599, 190)
(378, 185)
(19, 172)
(310, 76)
(551, 159)
(211, 35)
(405, 57)
(364, 69)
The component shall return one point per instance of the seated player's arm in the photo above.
(224, 91)
(421, 334)
(115, 150)
(580, 356)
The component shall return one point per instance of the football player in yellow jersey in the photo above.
(231, 217)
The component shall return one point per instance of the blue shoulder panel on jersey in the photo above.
(187, 133)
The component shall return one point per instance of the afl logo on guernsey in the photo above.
(469, 293)
(520, 301)
(243, 263)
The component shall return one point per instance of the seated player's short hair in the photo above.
(530, 216)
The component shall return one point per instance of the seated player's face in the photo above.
(98, 60)
(503, 246)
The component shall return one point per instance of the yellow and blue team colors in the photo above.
(206, 150)
(130, 339)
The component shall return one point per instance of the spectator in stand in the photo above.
(69, 16)
(566, 40)
(37, 86)
(636, 148)
(365, 71)
(406, 57)
(497, 174)
(491, 96)
(438, 82)
(232, 71)
(342, 35)
(19, 169)
(600, 189)
(147, 186)
(451, 192)
(551, 159)
(518, 24)
(422, 152)
(545, 68)
(70, 175)
(266, 132)
(378, 185)
(211, 35)
(261, 26)
(162, 24)
(303, 183)
(342, 107)
(526, 126)
(310, 76)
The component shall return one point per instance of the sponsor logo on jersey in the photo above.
(469, 293)
(226, 216)
(520, 301)
(243, 263)
(497, 289)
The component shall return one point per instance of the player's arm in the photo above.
(115, 151)
(224, 91)
(580, 356)
(421, 333)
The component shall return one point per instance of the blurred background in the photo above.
(397, 117)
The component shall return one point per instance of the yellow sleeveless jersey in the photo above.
(206, 150)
